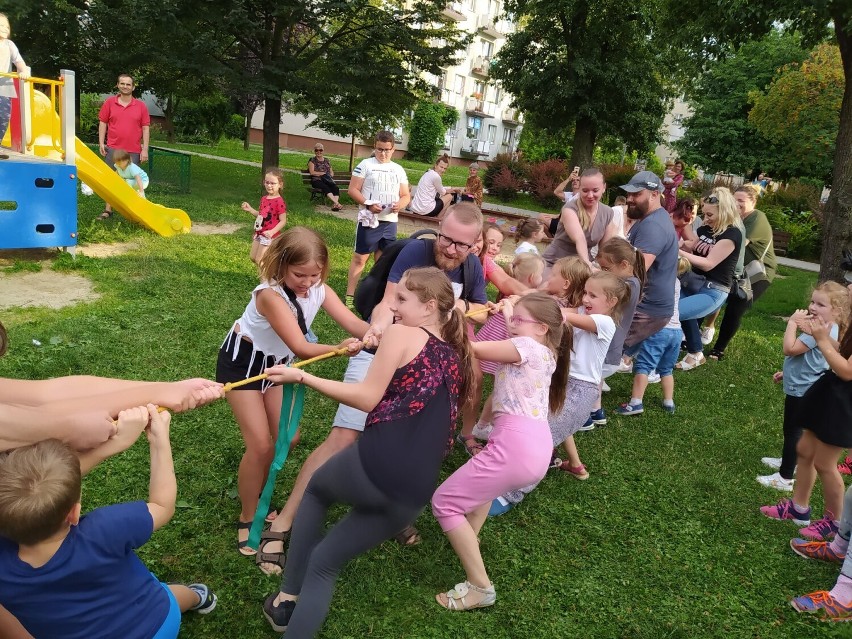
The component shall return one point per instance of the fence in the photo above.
(169, 169)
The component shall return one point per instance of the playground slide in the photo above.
(105, 182)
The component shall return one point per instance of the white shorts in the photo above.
(356, 371)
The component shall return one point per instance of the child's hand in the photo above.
(268, 234)
(88, 430)
(282, 374)
(372, 337)
(819, 328)
(186, 395)
(352, 345)
(778, 377)
(797, 316)
(493, 308)
(245, 206)
(131, 423)
(158, 428)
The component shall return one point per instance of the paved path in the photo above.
(799, 264)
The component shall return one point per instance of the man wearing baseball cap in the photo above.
(654, 234)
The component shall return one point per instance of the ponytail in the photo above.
(639, 270)
(454, 332)
(559, 381)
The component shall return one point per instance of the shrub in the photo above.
(543, 178)
(804, 228)
(236, 127)
(518, 168)
(202, 120)
(90, 106)
(426, 131)
(505, 185)
(615, 175)
(796, 196)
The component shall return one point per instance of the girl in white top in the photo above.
(527, 235)
(275, 329)
(431, 196)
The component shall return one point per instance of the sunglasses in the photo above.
(712, 199)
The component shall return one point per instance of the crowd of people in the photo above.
(613, 292)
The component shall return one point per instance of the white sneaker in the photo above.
(624, 367)
(653, 377)
(776, 481)
(482, 431)
(772, 462)
(707, 335)
(605, 387)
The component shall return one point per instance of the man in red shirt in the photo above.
(124, 120)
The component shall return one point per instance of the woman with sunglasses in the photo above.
(713, 257)
(322, 176)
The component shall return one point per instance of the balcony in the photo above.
(481, 66)
(474, 148)
(512, 117)
(448, 97)
(485, 25)
(453, 11)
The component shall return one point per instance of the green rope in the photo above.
(292, 404)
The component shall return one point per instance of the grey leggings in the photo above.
(314, 560)
(845, 532)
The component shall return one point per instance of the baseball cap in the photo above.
(643, 181)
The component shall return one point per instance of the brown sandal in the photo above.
(274, 558)
(408, 537)
(105, 215)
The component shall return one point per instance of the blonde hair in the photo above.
(839, 298)
(294, 247)
(614, 288)
(524, 265)
(575, 271)
(583, 215)
(559, 339)
(752, 191)
(727, 214)
(683, 265)
(466, 213)
(431, 283)
(41, 484)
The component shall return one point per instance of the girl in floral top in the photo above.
(411, 391)
(530, 382)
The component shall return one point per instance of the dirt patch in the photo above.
(200, 228)
(106, 250)
(46, 288)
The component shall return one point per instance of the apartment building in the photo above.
(486, 125)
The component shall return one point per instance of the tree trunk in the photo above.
(169, 117)
(837, 219)
(271, 123)
(585, 133)
(247, 134)
(352, 153)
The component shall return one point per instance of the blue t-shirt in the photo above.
(130, 173)
(655, 234)
(801, 371)
(420, 253)
(94, 585)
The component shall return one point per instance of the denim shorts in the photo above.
(369, 240)
(658, 352)
(356, 371)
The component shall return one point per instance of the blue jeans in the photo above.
(694, 307)
(658, 353)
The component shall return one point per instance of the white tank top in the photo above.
(256, 327)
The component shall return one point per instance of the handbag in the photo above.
(742, 288)
(692, 282)
(755, 269)
(328, 180)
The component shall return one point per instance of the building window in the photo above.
(492, 132)
(487, 48)
(508, 137)
(498, 94)
(459, 84)
(479, 89)
(474, 126)
(471, 4)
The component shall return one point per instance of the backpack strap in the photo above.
(467, 276)
(297, 309)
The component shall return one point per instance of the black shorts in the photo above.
(439, 206)
(248, 363)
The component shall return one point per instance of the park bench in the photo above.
(780, 241)
(340, 179)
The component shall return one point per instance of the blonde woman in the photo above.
(713, 256)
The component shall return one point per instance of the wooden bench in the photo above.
(780, 241)
(340, 179)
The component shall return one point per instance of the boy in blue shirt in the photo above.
(66, 575)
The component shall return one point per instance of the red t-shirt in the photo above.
(124, 123)
(271, 210)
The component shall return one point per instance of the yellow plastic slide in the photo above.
(92, 170)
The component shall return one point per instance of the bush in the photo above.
(505, 185)
(543, 178)
(518, 168)
(426, 132)
(796, 196)
(615, 175)
(90, 106)
(804, 228)
(236, 127)
(203, 120)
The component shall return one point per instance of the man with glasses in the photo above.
(458, 232)
(654, 234)
(380, 187)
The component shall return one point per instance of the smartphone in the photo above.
(577, 170)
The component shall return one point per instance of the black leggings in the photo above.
(792, 434)
(314, 560)
(734, 311)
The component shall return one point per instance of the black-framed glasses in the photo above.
(318, 151)
(711, 199)
(378, 150)
(446, 242)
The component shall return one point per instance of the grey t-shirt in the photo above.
(563, 246)
(655, 234)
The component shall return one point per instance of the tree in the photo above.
(597, 67)
(800, 113)
(428, 126)
(719, 136)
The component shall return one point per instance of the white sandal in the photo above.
(691, 361)
(456, 598)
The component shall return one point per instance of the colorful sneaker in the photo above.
(822, 529)
(776, 481)
(578, 472)
(773, 462)
(499, 508)
(784, 509)
(707, 335)
(822, 601)
(206, 599)
(596, 418)
(653, 377)
(816, 550)
(630, 409)
(845, 467)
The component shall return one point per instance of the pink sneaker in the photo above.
(784, 509)
(845, 467)
(822, 529)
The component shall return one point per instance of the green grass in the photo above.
(664, 539)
